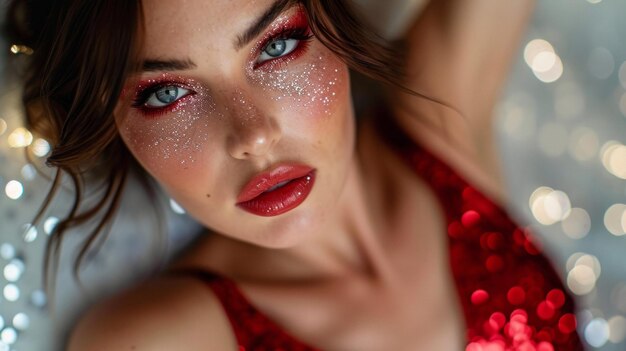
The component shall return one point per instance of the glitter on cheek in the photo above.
(314, 85)
(177, 136)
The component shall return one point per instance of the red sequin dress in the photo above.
(512, 298)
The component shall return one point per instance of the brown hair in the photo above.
(83, 52)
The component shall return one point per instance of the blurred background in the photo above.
(561, 126)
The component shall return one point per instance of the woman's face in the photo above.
(228, 107)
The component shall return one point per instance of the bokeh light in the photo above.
(40, 147)
(549, 206)
(14, 190)
(617, 329)
(3, 126)
(21, 49)
(38, 298)
(8, 335)
(614, 219)
(542, 59)
(577, 224)
(597, 332)
(7, 251)
(21, 321)
(11, 292)
(28, 171)
(534, 48)
(20, 137)
(30, 233)
(613, 156)
(49, 224)
(13, 270)
(584, 271)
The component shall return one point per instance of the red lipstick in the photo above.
(278, 190)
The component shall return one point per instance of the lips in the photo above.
(278, 190)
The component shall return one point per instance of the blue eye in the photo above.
(164, 95)
(277, 48)
(284, 43)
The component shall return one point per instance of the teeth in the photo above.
(278, 185)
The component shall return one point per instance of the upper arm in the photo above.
(163, 315)
(460, 51)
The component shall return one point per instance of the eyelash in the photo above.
(300, 33)
(144, 94)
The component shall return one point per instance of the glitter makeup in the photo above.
(174, 131)
(312, 84)
(172, 115)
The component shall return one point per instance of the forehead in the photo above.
(183, 26)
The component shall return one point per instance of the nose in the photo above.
(254, 133)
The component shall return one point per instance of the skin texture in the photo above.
(346, 257)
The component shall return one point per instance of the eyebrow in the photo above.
(154, 65)
(262, 22)
(167, 65)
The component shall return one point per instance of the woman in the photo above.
(328, 236)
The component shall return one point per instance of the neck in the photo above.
(348, 241)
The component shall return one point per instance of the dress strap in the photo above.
(253, 330)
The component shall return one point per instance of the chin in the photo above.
(290, 229)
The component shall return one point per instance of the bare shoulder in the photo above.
(166, 313)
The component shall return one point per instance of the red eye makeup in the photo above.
(155, 97)
(293, 31)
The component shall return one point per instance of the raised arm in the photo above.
(460, 52)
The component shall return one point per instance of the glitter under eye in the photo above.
(176, 132)
(311, 84)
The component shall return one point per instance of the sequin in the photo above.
(516, 295)
(498, 267)
(479, 297)
(470, 218)
(545, 310)
(557, 297)
(494, 263)
(567, 323)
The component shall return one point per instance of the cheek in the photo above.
(172, 141)
(316, 88)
